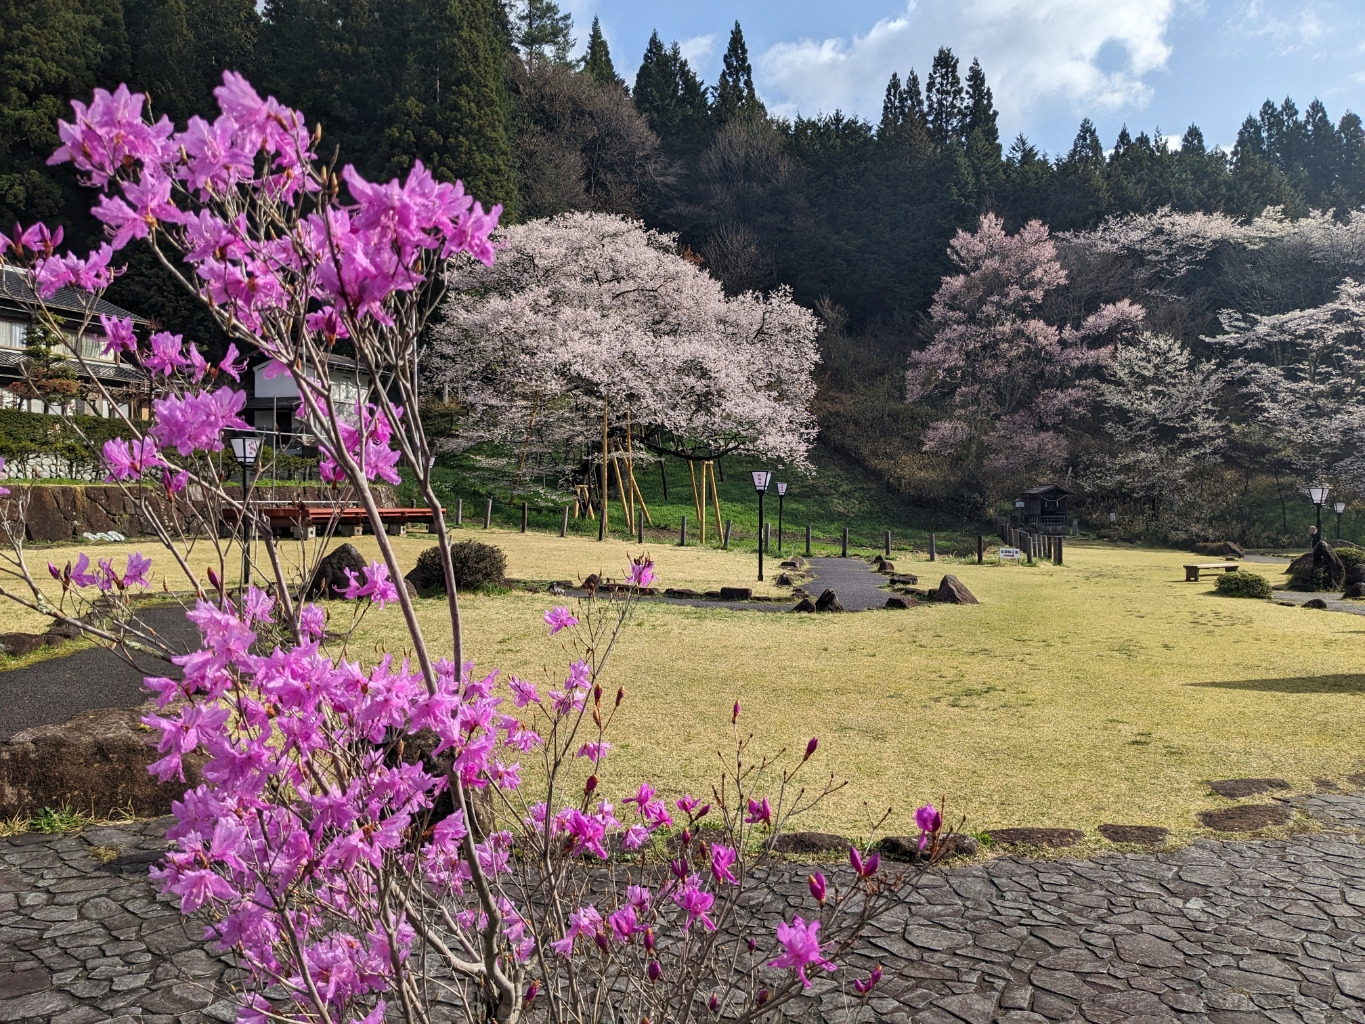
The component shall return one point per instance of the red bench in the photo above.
(306, 520)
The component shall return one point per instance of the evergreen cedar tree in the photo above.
(833, 205)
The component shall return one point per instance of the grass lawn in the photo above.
(1107, 690)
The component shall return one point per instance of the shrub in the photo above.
(1243, 584)
(476, 566)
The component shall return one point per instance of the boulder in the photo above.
(1354, 590)
(828, 602)
(883, 564)
(901, 603)
(795, 562)
(784, 580)
(952, 591)
(1355, 574)
(1329, 563)
(681, 592)
(1317, 603)
(904, 579)
(330, 578)
(410, 588)
(805, 605)
(736, 593)
(96, 763)
(44, 520)
(1233, 550)
(907, 848)
(16, 645)
(807, 843)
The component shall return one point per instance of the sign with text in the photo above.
(1012, 553)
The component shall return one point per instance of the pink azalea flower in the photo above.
(801, 948)
(697, 903)
(136, 573)
(523, 692)
(817, 885)
(642, 573)
(559, 618)
(128, 460)
(229, 364)
(865, 985)
(759, 812)
(866, 867)
(722, 859)
(118, 333)
(198, 420)
(166, 354)
(80, 576)
(594, 752)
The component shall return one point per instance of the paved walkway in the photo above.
(1333, 601)
(1223, 932)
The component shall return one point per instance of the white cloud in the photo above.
(697, 49)
(1034, 52)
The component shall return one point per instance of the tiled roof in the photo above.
(14, 293)
(122, 373)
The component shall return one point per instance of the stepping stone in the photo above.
(1052, 837)
(736, 593)
(1246, 818)
(1235, 789)
(1147, 835)
(682, 592)
(828, 602)
(810, 842)
(906, 848)
(1326, 786)
(1316, 602)
(901, 603)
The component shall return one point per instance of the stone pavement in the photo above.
(1223, 931)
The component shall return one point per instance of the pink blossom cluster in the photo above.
(135, 573)
(367, 442)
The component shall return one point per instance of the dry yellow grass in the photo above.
(1105, 690)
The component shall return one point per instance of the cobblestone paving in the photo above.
(1225, 932)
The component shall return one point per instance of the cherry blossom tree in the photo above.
(1009, 381)
(362, 841)
(586, 316)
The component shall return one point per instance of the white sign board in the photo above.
(1013, 553)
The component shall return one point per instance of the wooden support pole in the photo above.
(933, 548)
(808, 540)
(845, 547)
(715, 493)
(980, 549)
(488, 515)
(696, 501)
(640, 529)
(459, 511)
(887, 545)
(630, 457)
(1057, 552)
(682, 535)
(564, 523)
(621, 490)
(726, 543)
(635, 489)
(701, 508)
(602, 524)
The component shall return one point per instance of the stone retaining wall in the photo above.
(58, 513)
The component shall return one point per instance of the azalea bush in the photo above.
(410, 838)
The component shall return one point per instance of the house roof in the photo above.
(334, 361)
(14, 293)
(119, 373)
(1049, 489)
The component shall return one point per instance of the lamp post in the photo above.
(781, 496)
(1339, 508)
(246, 449)
(761, 479)
(1318, 495)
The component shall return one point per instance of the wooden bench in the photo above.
(304, 521)
(1192, 571)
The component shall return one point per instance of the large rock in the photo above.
(900, 603)
(95, 763)
(330, 578)
(1355, 574)
(1330, 565)
(951, 590)
(828, 602)
(1354, 590)
(805, 605)
(736, 593)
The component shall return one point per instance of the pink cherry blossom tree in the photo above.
(362, 840)
(1007, 382)
(585, 315)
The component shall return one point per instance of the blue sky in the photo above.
(1148, 63)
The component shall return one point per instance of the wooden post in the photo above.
(630, 457)
(701, 509)
(682, 536)
(980, 549)
(726, 543)
(640, 529)
(488, 515)
(767, 537)
(808, 540)
(715, 493)
(888, 544)
(1057, 552)
(459, 511)
(692, 472)
(845, 548)
(564, 523)
(524, 516)
(1028, 547)
(602, 525)
(626, 509)
(933, 548)
(635, 489)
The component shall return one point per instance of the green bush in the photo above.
(476, 567)
(1243, 584)
(28, 435)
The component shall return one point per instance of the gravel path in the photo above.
(1334, 603)
(1220, 932)
(858, 586)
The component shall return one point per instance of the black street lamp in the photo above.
(781, 496)
(1339, 508)
(761, 480)
(1318, 495)
(246, 449)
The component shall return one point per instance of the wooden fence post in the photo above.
(933, 549)
(524, 516)
(725, 544)
(564, 523)
(1057, 552)
(980, 549)
(888, 544)
(459, 511)
(682, 538)
(488, 514)
(845, 547)
(807, 540)
(640, 528)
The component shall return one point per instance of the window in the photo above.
(11, 334)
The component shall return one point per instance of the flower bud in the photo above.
(653, 971)
(810, 747)
(753, 946)
(713, 1004)
(214, 581)
(817, 886)
(531, 991)
(686, 836)
(649, 940)
(735, 717)
(763, 996)
(597, 693)
(620, 695)
(590, 785)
